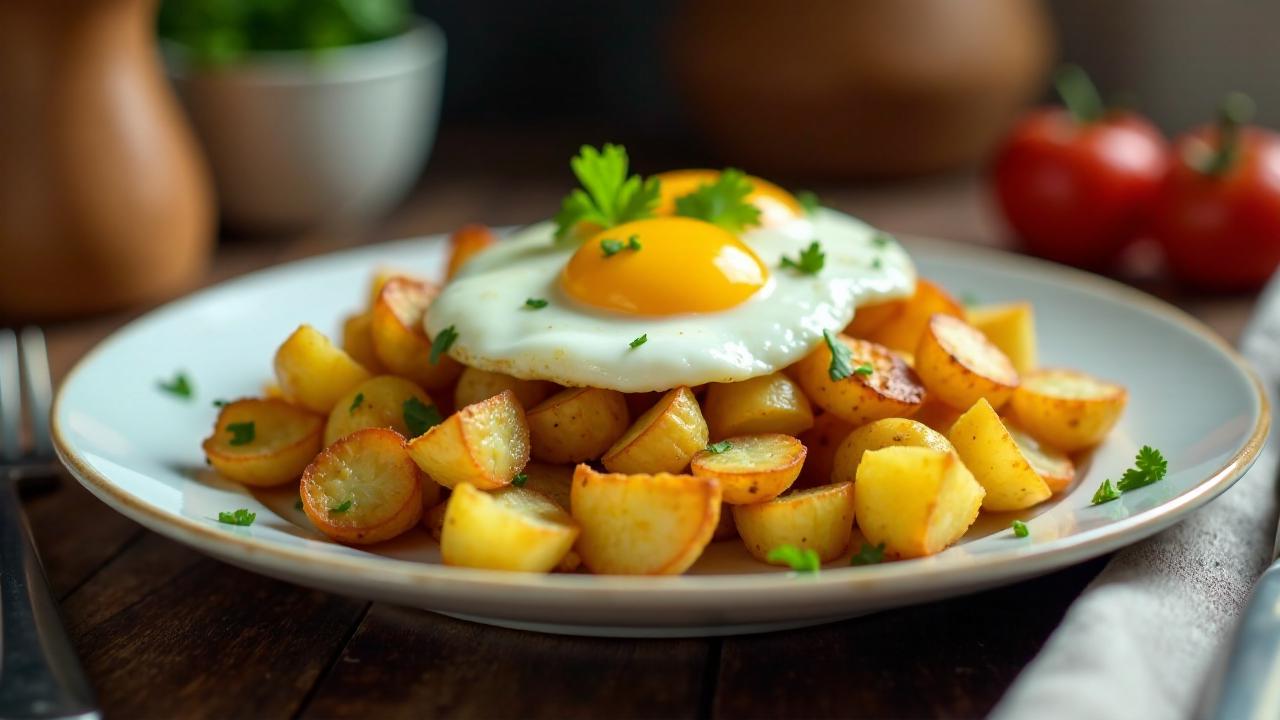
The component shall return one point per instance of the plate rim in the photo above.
(378, 571)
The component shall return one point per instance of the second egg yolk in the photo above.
(664, 266)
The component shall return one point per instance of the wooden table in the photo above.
(167, 632)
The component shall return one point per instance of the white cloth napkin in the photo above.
(1142, 637)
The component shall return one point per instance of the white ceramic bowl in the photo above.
(300, 139)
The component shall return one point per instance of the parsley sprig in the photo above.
(241, 517)
(723, 202)
(841, 365)
(810, 261)
(1149, 467)
(608, 196)
(419, 417)
(802, 560)
(441, 343)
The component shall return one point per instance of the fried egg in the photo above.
(667, 301)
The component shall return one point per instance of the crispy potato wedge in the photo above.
(994, 458)
(399, 339)
(1066, 409)
(820, 518)
(1055, 468)
(465, 243)
(643, 524)
(1010, 327)
(357, 341)
(870, 318)
(770, 403)
(881, 434)
(270, 444)
(484, 444)
(577, 424)
(475, 385)
(902, 331)
(891, 389)
(313, 372)
(364, 488)
(959, 365)
(754, 468)
(511, 528)
(376, 402)
(915, 500)
(822, 441)
(663, 439)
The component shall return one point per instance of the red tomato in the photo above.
(1078, 192)
(1221, 230)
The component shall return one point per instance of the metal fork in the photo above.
(40, 676)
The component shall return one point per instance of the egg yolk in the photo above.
(776, 205)
(663, 266)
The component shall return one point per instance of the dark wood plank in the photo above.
(410, 664)
(75, 532)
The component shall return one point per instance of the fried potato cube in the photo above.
(753, 468)
(902, 331)
(357, 341)
(770, 403)
(485, 444)
(663, 439)
(577, 424)
(1054, 467)
(465, 243)
(820, 518)
(313, 372)
(383, 275)
(263, 442)
(890, 389)
(959, 365)
(643, 524)
(475, 385)
(511, 528)
(364, 488)
(1012, 328)
(376, 402)
(822, 441)
(870, 318)
(399, 339)
(915, 500)
(1066, 409)
(881, 434)
(994, 458)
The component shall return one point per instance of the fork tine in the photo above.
(39, 389)
(10, 398)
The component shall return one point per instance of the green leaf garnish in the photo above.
(640, 341)
(802, 560)
(1106, 493)
(719, 447)
(876, 263)
(340, 508)
(441, 343)
(612, 247)
(242, 433)
(179, 386)
(868, 554)
(608, 196)
(1149, 467)
(1020, 529)
(219, 403)
(881, 239)
(241, 517)
(864, 370)
(419, 417)
(808, 202)
(355, 403)
(520, 479)
(535, 303)
(811, 260)
(841, 358)
(723, 202)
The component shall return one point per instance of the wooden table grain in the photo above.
(166, 632)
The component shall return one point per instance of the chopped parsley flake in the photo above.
(355, 403)
(342, 507)
(868, 554)
(808, 201)
(612, 247)
(877, 263)
(180, 386)
(882, 239)
(441, 343)
(419, 417)
(864, 370)
(1020, 529)
(810, 262)
(242, 433)
(535, 303)
(1106, 493)
(723, 202)
(219, 403)
(520, 479)
(719, 447)
(608, 196)
(802, 560)
(639, 341)
(241, 517)
(841, 357)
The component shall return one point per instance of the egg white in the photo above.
(574, 344)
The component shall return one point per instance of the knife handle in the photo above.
(1247, 685)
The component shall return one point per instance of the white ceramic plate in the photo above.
(138, 450)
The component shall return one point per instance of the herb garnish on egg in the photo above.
(608, 196)
(723, 202)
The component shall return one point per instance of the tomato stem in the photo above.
(1079, 94)
(1236, 110)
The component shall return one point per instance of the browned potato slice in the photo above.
(752, 468)
(891, 389)
(263, 442)
(465, 243)
(484, 444)
(1066, 409)
(822, 441)
(882, 434)
(511, 528)
(820, 518)
(577, 424)
(1012, 328)
(994, 458)
(1055, 468)
(915, 500)
(770, 403)
(475, 385)
(313, 372)
(663, 439)
(902, 331)
(364, 488)
(643, 524)
(399, 339)
(357, 341)
(377, 402)
(959, 365)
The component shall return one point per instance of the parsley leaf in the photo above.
(241, 433)
(1149, 467)
(841, 356)
(355, 403)
(535, 303)
(719, 447)
(868, 555)
(808, 202)
(802, 560)
(241, 517)
(179, 386)
(520, 479)
(1106, 493)
(811, 260)
(441, 343)
(865, 370)
(723, 202)
(419, 417)
(640, 341)
(1020, 529)
(340, 508)
(608, 196)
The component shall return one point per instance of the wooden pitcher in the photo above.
(105, 200)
